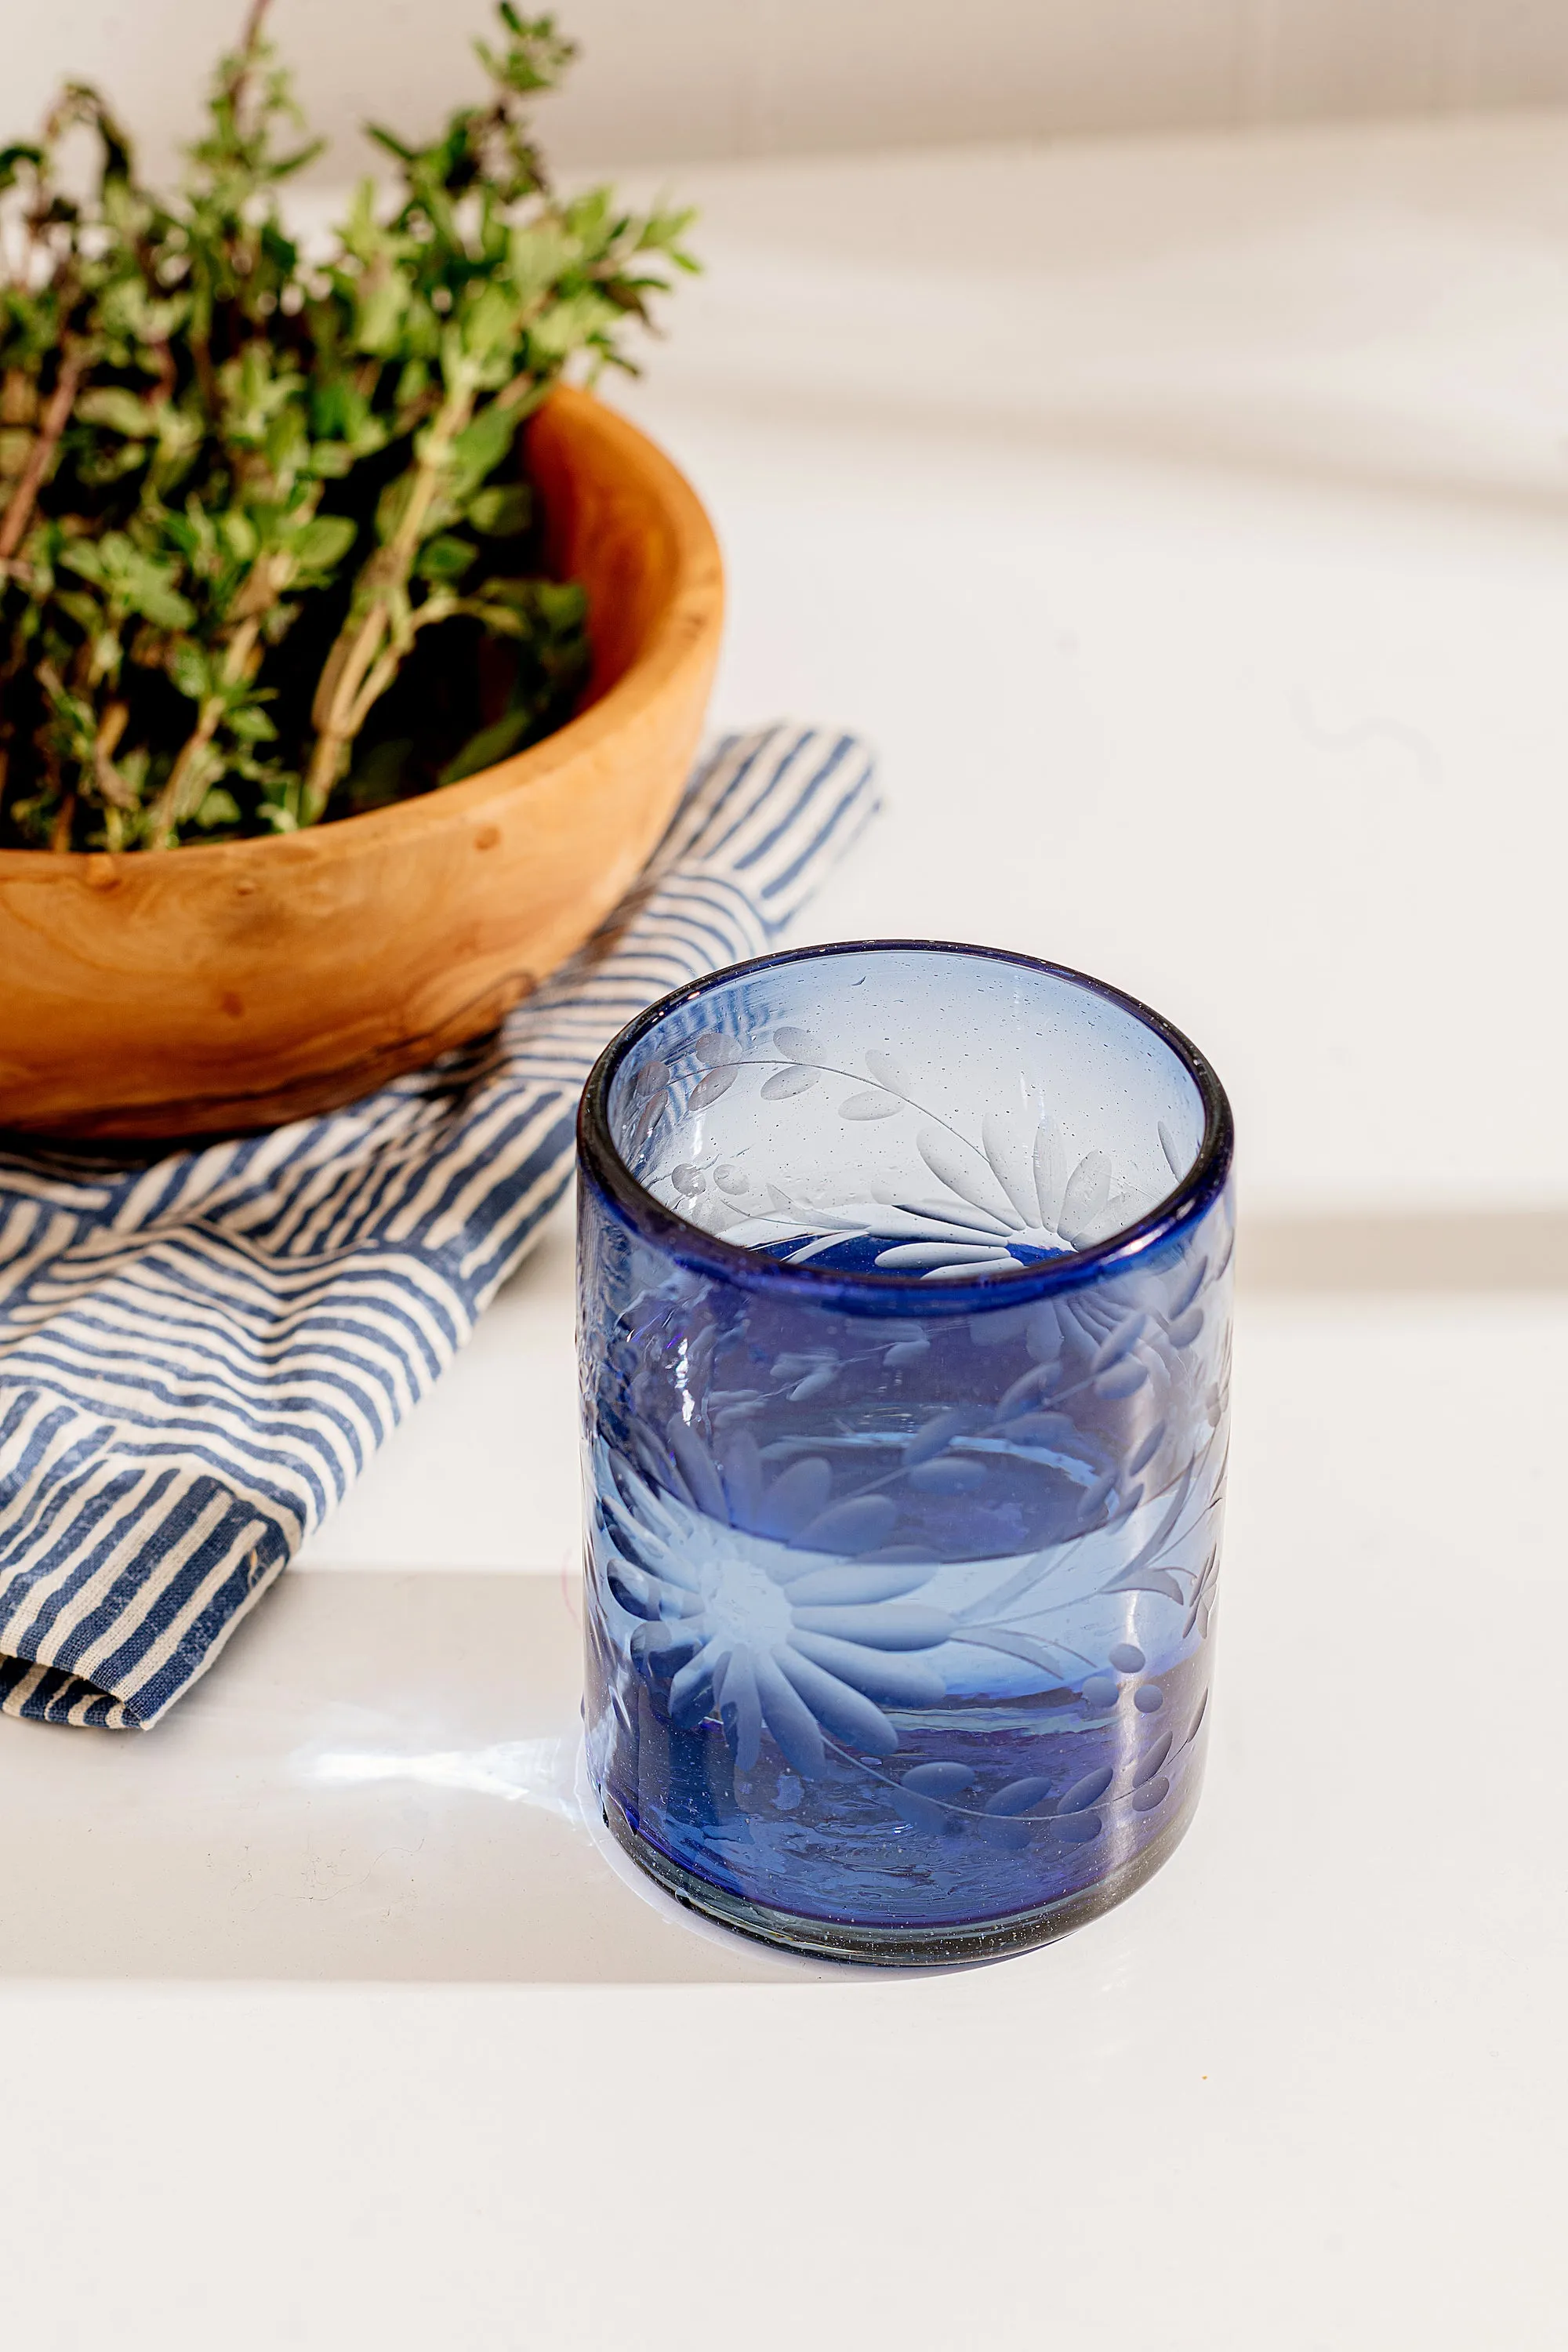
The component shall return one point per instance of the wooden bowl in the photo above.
(209, 990)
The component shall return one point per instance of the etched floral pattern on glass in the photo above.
(906, 1433)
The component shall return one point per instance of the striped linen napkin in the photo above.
(198, 1353)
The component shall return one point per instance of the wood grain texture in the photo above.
(209, 989)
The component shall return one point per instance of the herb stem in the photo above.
(51, 425)
(342, 699)
(177, 802)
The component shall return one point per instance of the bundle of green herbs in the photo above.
(268, 550)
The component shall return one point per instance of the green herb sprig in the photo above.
(247, 492)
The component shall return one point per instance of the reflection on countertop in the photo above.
(380, 1782)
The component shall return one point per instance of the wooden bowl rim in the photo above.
(679, 639)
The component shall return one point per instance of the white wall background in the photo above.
(677, 81)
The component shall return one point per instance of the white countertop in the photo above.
(1186, 524)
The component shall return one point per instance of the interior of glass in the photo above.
(904, 1110)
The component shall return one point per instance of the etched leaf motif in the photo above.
(1019, 1796)
(1079, 1829)
(1168, 1146)
(1087, 1792)
(1005, 1822)
(1121, 1342)
(785, 1083)
(965, 1172)
(652, 1076)
(1048, 1171)
(1147, 1451)
(1196, 1275)
(697, 1468)
(709, 1089)
(938, 1779)
(1053, 1429)
(714, 1048)
(925, 1796)
(796, 1045)
(888, 1072)
(910, 1257)
(1226, 1255)
(796, 1495)
(871, 1103)
(648, 1118)
(1093, 1499)
(854, 1526)
(938, 1433)
(1008, 1163)
(1087, 1191)
(1043, 1334)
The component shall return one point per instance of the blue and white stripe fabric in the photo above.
(198, 1354)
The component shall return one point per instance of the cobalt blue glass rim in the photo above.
(903, 1294)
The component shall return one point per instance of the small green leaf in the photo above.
(322, 544)
(119, 411)
(563, 604)
(85, 558)
(444, 560)
(162, 605)
(188, 670)
(496, 741)
(491, 324)
(380, 315)
(480, 446)
(251, 725)
(502, 512)
(240, 536)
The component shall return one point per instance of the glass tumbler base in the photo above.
(949, 1945)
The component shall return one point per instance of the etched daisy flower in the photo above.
(803, 1645)
(1007, 1201)
(1013, 1197)
(1010, 1202)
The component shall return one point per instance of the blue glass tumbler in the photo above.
(904, 1333)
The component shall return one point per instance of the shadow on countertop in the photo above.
(379, 1783)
